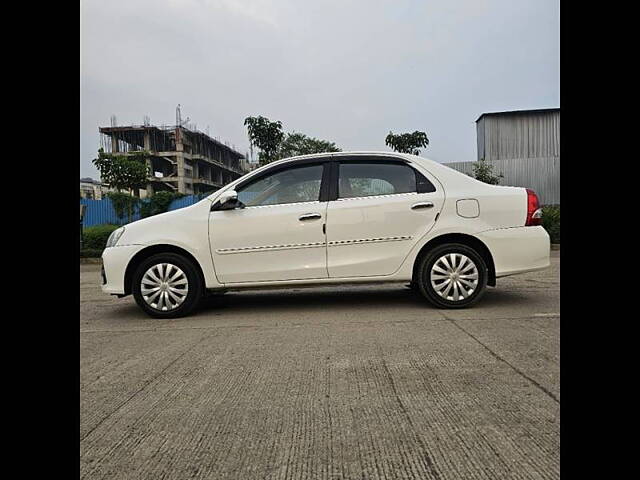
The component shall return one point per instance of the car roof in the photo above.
(426, 162)
(337, 154)
(441, 172)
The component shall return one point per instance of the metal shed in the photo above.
(523, 145)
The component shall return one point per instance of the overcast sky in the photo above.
(340, 70)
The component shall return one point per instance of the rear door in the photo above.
(380, 209)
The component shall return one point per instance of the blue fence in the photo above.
(99, 212)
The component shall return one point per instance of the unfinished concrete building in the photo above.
(181, 160)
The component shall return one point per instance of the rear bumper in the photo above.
(518, 249)
(114, 263)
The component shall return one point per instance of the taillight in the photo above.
(534, 212)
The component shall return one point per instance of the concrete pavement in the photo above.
(360, 382)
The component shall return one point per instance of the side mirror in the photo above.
(228, 201)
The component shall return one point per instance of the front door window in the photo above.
(293, 185)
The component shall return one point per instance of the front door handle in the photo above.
(309, 216)
(417, 206)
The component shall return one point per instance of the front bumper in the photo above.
(114, 264)
(518, 249)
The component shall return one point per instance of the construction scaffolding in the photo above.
(181, 160)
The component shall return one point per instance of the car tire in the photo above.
(167, 285)
(452, 275)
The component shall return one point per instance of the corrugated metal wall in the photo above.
(524, 147)
(542, 175)
(519, 135)
(100, 212)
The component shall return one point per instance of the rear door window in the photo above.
(362, 179)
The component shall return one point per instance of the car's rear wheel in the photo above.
(452, 276)
(167, 285)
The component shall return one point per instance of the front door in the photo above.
(382, 209)
(279, 235)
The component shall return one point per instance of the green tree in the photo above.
(266, 136)
(123, 204)
(483, 171)
(299, 144)
(274, 144)
(123, 172)
(407, 142)
(158, 203)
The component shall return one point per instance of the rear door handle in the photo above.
(418, 206)
(309, 216)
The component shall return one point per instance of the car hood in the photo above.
(165, 225)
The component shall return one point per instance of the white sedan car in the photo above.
(334, 218)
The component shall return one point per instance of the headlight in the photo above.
(114, 237)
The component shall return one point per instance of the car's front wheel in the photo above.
(167, 285)
(452, 276)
